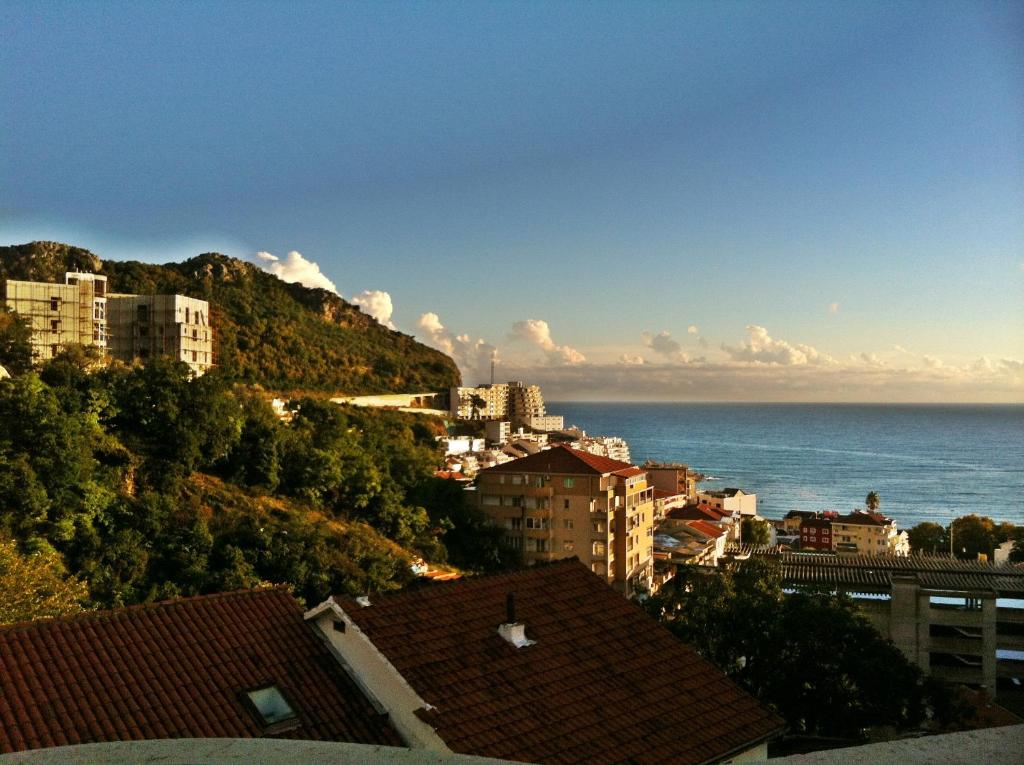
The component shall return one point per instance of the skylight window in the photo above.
(270, 706)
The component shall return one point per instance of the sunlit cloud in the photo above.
(537, 332)
(663, 344)
(693, 329)
(377, 304)
(760, 347)
(295, 269)
(833, 308)
(627, 358)
(473, 357)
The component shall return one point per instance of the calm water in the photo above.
(926, 462)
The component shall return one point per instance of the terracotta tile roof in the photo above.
(697, 513)
(863, 519)
(175, 669)
(604, 682)
(561, 460)
(630, 472)
(708, 529)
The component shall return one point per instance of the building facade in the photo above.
(868, 533)
(564, 503)
(732, 500)
(143, 326)
(61, 314)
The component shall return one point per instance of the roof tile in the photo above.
(174, 669)
(595, 691)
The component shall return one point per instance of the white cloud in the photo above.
(537, 332)
(663, 344)
(932, 362)
(900, 349)
(377, 304)
(761, 348)
(833, 308)
(473, 357)
(693, 329)
(627, 358)
(295, 268)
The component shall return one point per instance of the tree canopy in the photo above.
(810, 655)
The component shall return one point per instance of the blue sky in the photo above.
(785, 201)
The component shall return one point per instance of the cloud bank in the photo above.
(295, 269)
(537, 332)
(760, 347)
(377, 304)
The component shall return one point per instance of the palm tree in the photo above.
(872, 501)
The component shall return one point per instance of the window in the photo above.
(536, 523)
(490, 500)
(514, 523)
(568, 546)
(597, 527)
(517, 480)
(565, 504)
(567, 523)
(599, 548)
(270, 706)
(55, 325)
(542, 545)
(568, 483)
(516, 543)
(186, 314)
(195, 334)
(54, 303)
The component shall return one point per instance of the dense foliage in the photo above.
(810, 655)
(147, 484)
(973, 535)
(282, 336)
(15, 348)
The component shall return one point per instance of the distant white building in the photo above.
(143, 326)
(731, 500)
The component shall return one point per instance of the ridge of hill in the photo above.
(269, 332)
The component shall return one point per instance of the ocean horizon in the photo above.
(927, 461)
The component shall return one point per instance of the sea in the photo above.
(927, 462)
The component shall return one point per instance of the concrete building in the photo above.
(497, 431)
(563, 503)
(61, 314)
(960, 621)
(731, 500)
(521, 404)
(868, 533)
(144, 326)
(816, 534)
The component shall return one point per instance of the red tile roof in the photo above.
(561, 460)
(708, 529)
(697, 513)
(604, 682)
(863, 519)
(175, 669)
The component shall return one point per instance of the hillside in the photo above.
(268, 332)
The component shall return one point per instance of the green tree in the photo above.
(35, 586)
(755, 532)
(928, 537)
(973, 535)
(872, 501)
(15, 342)
(811, 655)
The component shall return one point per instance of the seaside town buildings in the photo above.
(127, 327)
(520, 404)
(864, 533)
(564, 502)
(730, 500)
(488, 666)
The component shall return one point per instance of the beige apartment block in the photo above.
(564, 503)
(143, 326)
(868, 534)
(61, 314)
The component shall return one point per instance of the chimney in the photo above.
(512, 631)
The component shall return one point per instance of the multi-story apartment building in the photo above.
(81, 311)
(563, 503)
(868, 533)
(61, 314)
(521, 404)
(816, 534)
(142, 326)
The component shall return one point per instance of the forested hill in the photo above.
(282, 336)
